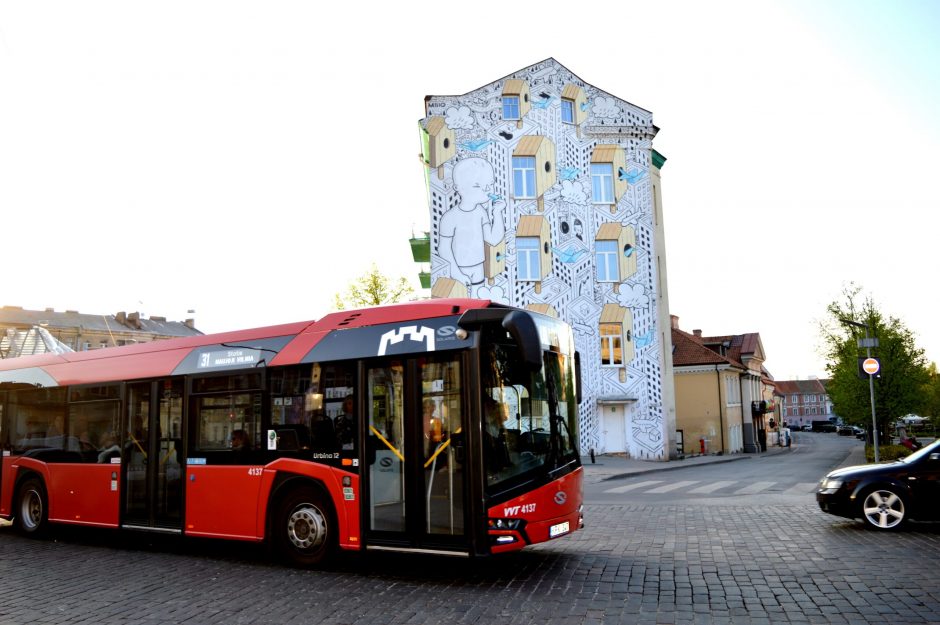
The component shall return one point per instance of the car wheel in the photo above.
(304, 531)
(884, 509)
(32, 508)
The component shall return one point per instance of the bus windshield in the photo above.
(530, 422)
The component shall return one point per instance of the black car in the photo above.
(885, 496)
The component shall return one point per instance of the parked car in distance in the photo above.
(807, 427)
(846, 430)
(885, 496)
(824, 426)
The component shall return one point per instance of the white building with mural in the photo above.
(544, 193)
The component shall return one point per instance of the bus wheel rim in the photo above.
(306, 527)
(31, 509)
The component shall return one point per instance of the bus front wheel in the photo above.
(304, 531)
(32, 508)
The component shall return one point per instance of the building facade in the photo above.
(724, 396)
(544, 193)
(25, 332)
(804, 401)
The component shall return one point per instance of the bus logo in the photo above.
(561, 497)
(393, 337)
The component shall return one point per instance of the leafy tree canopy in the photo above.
(902, 381)
(373, 288)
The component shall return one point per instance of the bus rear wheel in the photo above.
(304, 532)
(32, 508)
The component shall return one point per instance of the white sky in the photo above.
(248, 160)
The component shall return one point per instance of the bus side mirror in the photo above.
(521, 328)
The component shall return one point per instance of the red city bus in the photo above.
(442, 426)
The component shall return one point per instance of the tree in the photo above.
(932, 394)
(899, 385)
(373, 289)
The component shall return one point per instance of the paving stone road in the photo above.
(662, 564)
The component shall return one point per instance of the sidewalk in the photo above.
(611, 467)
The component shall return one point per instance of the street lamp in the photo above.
(868, 343)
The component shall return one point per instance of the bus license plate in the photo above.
(558, 530)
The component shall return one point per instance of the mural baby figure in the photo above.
(476, 220)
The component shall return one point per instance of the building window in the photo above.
(733, 391)
(567, 111)
(510, 107)
(794, 399)
(812, 399)
(523, 177)
(611, 345)
(605, 255)
(528, 266)
(602, 183)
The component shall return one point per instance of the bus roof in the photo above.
(293, 342)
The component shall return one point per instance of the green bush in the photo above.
(886, 453)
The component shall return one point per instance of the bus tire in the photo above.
(304, 527)
(32, 508)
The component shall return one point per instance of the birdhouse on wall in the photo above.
(516, 101)
(616, 330)
(615, 253)
(543, 309)
(494, 260)
(533, 168)
(442, 144)
(448, 287)
(608, 175)
(573, 106)
(533, 250)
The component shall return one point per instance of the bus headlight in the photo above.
(505, 524)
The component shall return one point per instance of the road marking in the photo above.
(710, 488)
(671, 487)
(801, 488)
(754, 488)
(628, 487)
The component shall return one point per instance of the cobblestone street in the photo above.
(633, 564)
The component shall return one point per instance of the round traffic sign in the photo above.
(871, 366)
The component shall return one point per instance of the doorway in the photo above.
(415, 481)
(152, 455)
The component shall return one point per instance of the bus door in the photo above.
(415, 480)
(152, 455)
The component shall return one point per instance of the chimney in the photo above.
(697, 333)
(674, 320)
(190, 323)
(133, 320)
(121, 317)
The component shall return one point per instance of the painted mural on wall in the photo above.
(540, 197)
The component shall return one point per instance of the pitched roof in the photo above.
(739, 345)
(688, 350)
(800, 387)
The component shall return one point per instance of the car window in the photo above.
(923, 453)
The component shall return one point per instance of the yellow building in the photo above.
(720, 387)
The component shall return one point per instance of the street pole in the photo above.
(871, 394)
(871, 383)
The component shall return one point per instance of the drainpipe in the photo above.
(721, 421)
